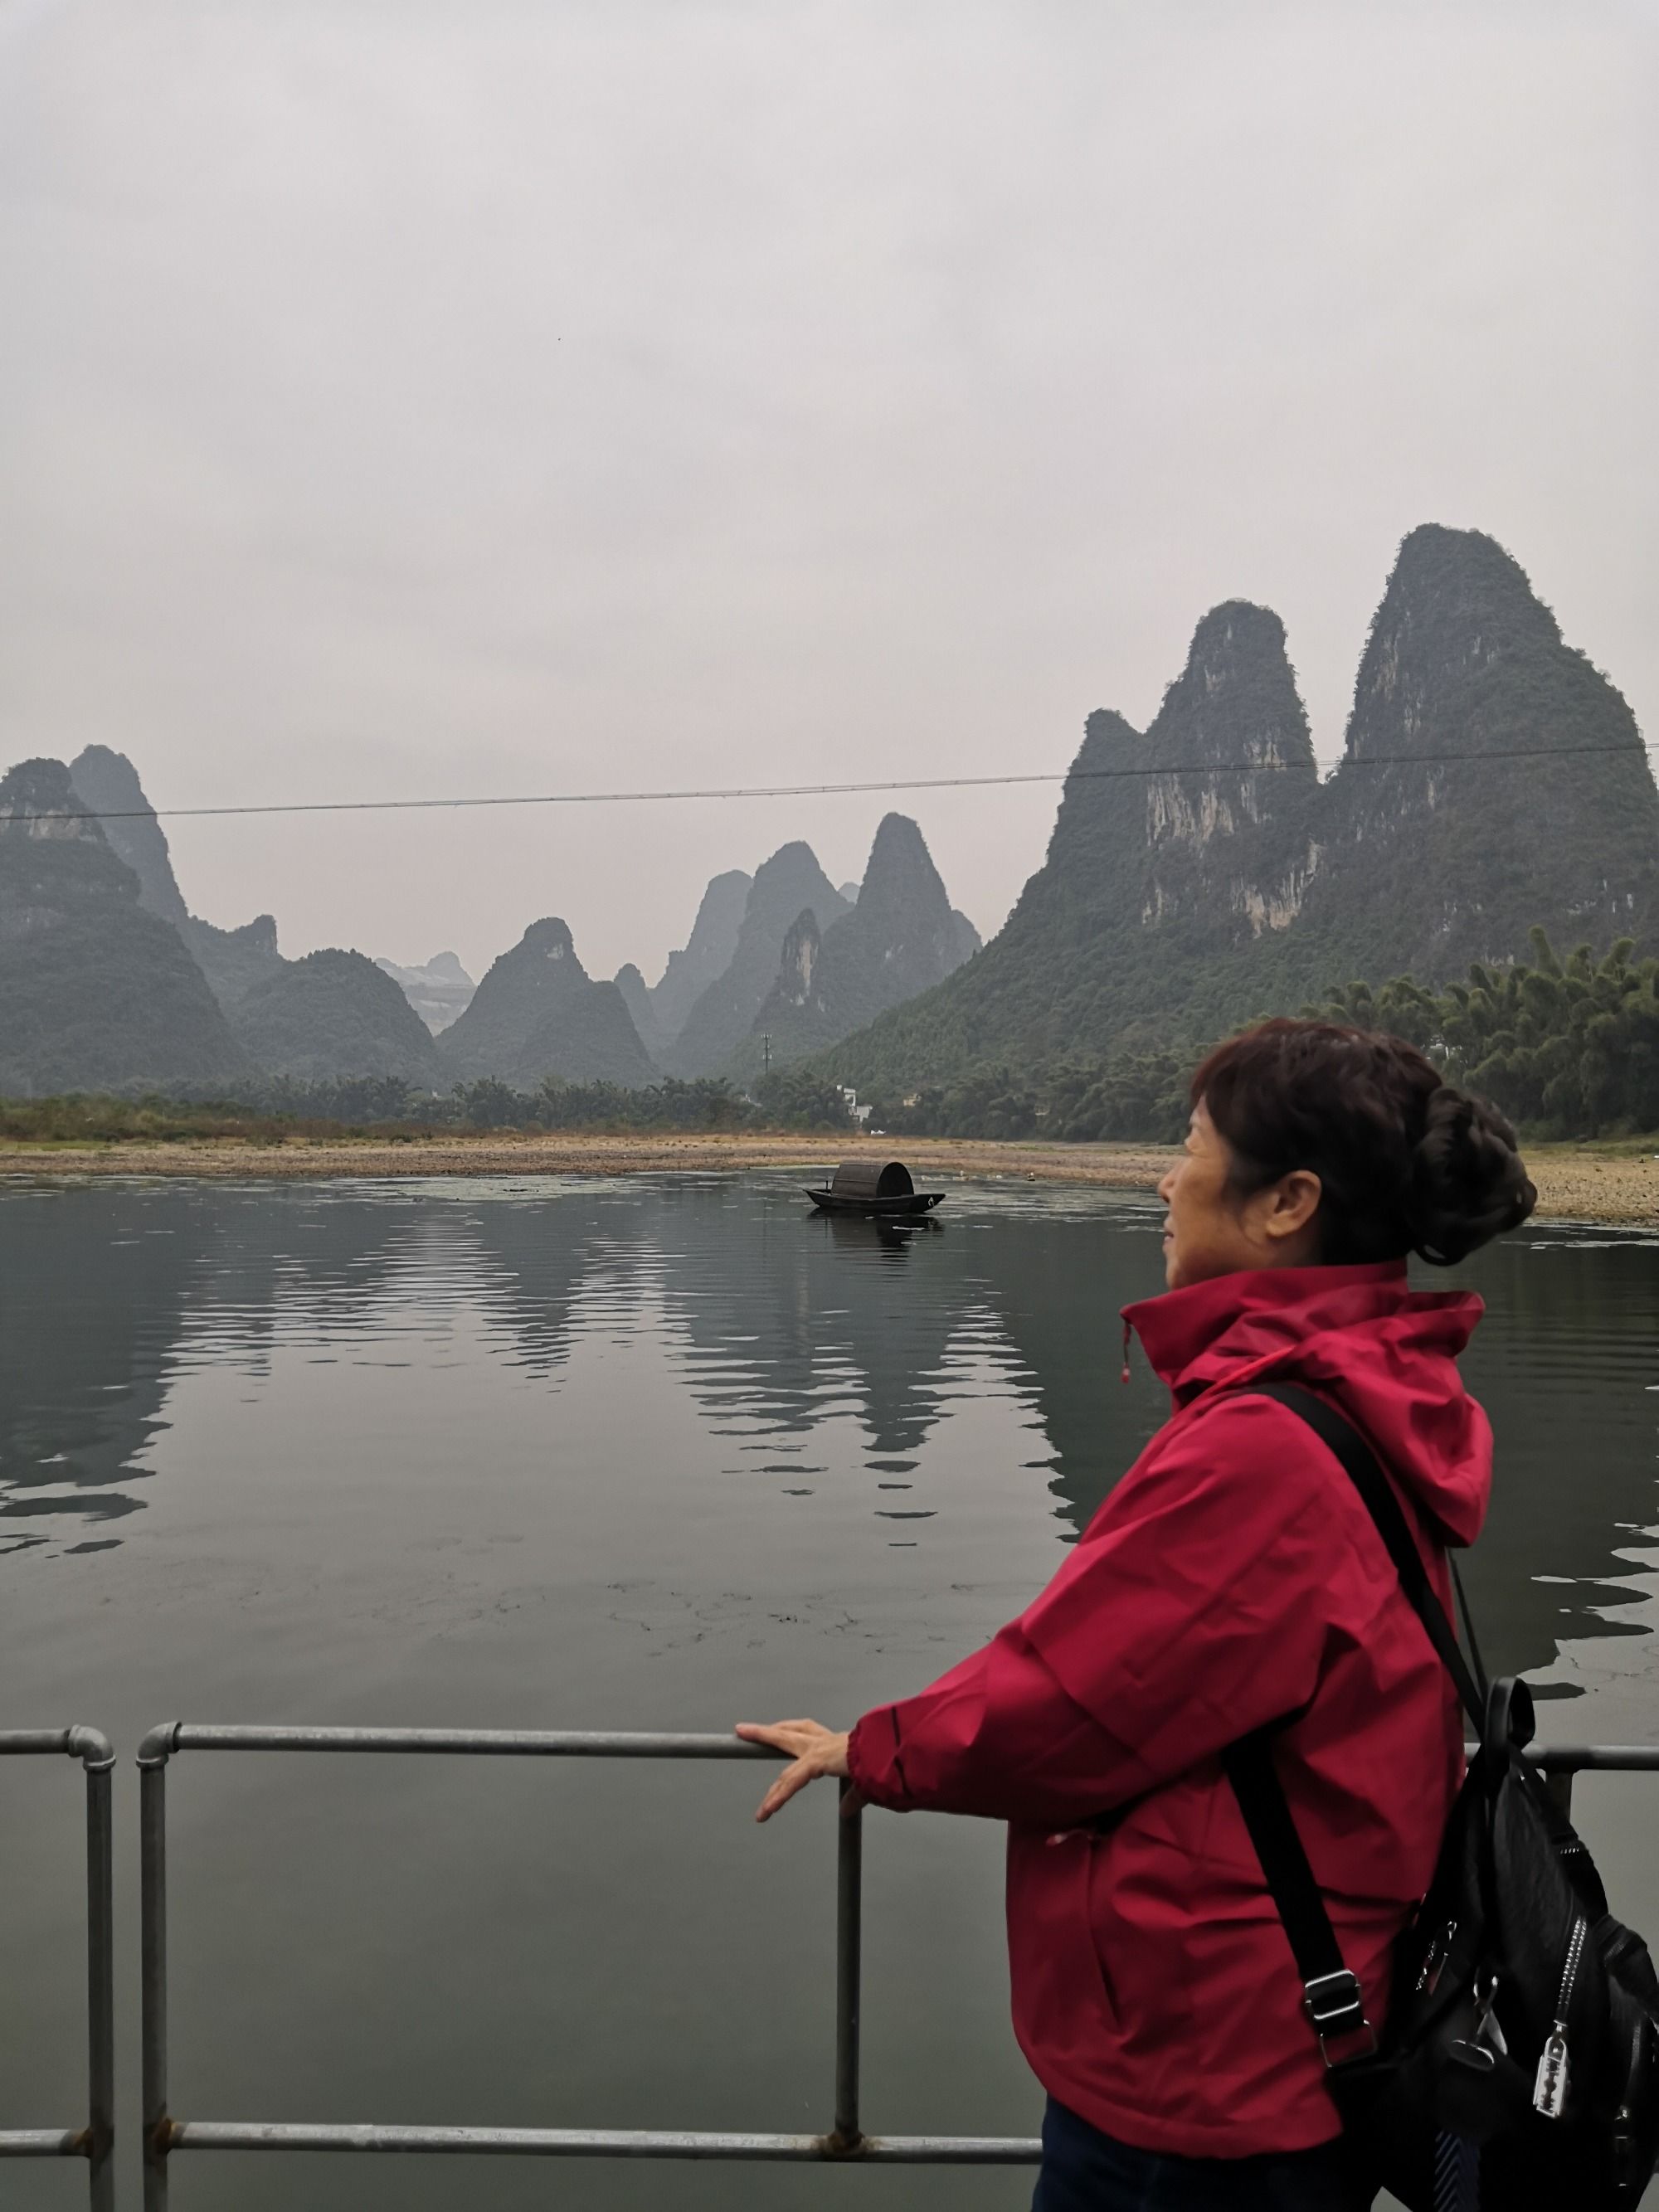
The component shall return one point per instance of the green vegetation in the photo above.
(332, 1010)
(1569, 1048)
(1566, 1047)
(1137, 1097)
(283, 1111)
(799, 1097)
(79, 1119)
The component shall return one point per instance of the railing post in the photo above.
(849, 1913)
(101, 1981)
(153, 1944)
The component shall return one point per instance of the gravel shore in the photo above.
(1575, 1183)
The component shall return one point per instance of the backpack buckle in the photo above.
(1335, 2006)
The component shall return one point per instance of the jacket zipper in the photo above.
(1549, 2090)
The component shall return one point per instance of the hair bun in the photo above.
(1469, 1183)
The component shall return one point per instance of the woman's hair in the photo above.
(1405, 1162)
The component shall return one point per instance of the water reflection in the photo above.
(638, 1455)
(92, 1304)
(797, 1338)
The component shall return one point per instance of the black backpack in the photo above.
(1517, 2068)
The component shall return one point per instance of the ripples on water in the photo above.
(781, 1328)
(654, 1452)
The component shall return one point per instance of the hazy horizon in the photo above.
(420, 401)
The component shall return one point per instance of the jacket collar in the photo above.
(1211, 1332)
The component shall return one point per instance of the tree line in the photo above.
(271, 1110)
(1566, 1047)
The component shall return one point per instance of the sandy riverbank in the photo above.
(1614, 1184)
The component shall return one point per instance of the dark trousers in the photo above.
(1083, 2171)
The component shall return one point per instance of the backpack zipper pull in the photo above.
(1549, 2091)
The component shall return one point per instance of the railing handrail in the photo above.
(95, 2142)
(171, 1736)
(89, 1745)
(844, 2142)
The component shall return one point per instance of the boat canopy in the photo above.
(872, 1179)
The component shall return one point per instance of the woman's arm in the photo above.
(1190, 1612)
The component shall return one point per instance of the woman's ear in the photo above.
(1293, 1203)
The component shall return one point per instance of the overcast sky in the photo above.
(414, 399)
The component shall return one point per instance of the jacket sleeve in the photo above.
(1192, 1611)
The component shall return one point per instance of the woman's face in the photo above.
(1209, 1230)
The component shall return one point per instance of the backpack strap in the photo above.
(1331, 1994)
(1360, 1464)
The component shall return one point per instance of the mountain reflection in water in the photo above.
(775, 1322)
(660, 1453)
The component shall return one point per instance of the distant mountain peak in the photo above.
(537, 1012)
(106, 783)
(1173, 904)
(95, 990)
(636, 997)
(901, 936)
(551, 938)
(900, 874)
(38, 799)
(707, 953)
(438, 989)
(233, 960)
(723, 1014)
(333, 1014)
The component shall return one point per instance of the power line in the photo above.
(824, 790)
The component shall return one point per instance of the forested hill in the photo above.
(94, 988)
(1550, 817)
(233, 960)
(901, 936)
(1181, 894)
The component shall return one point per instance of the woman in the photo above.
(1232, 1579)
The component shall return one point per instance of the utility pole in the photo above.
(766, 1054)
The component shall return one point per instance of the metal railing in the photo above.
(95, 2142)
(845, 2142)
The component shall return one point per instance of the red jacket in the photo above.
(1232, 1576)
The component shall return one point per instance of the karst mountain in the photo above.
(719, 1021)
(707, 953)
(901, 936)
(333, 1014)
(233, 960)
(1200, 872)
(637, 998)
(96, 990)
(539, 1014)
(438, 989)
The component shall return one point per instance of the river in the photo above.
(663, 1453)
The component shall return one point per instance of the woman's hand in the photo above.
(813, 1749)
